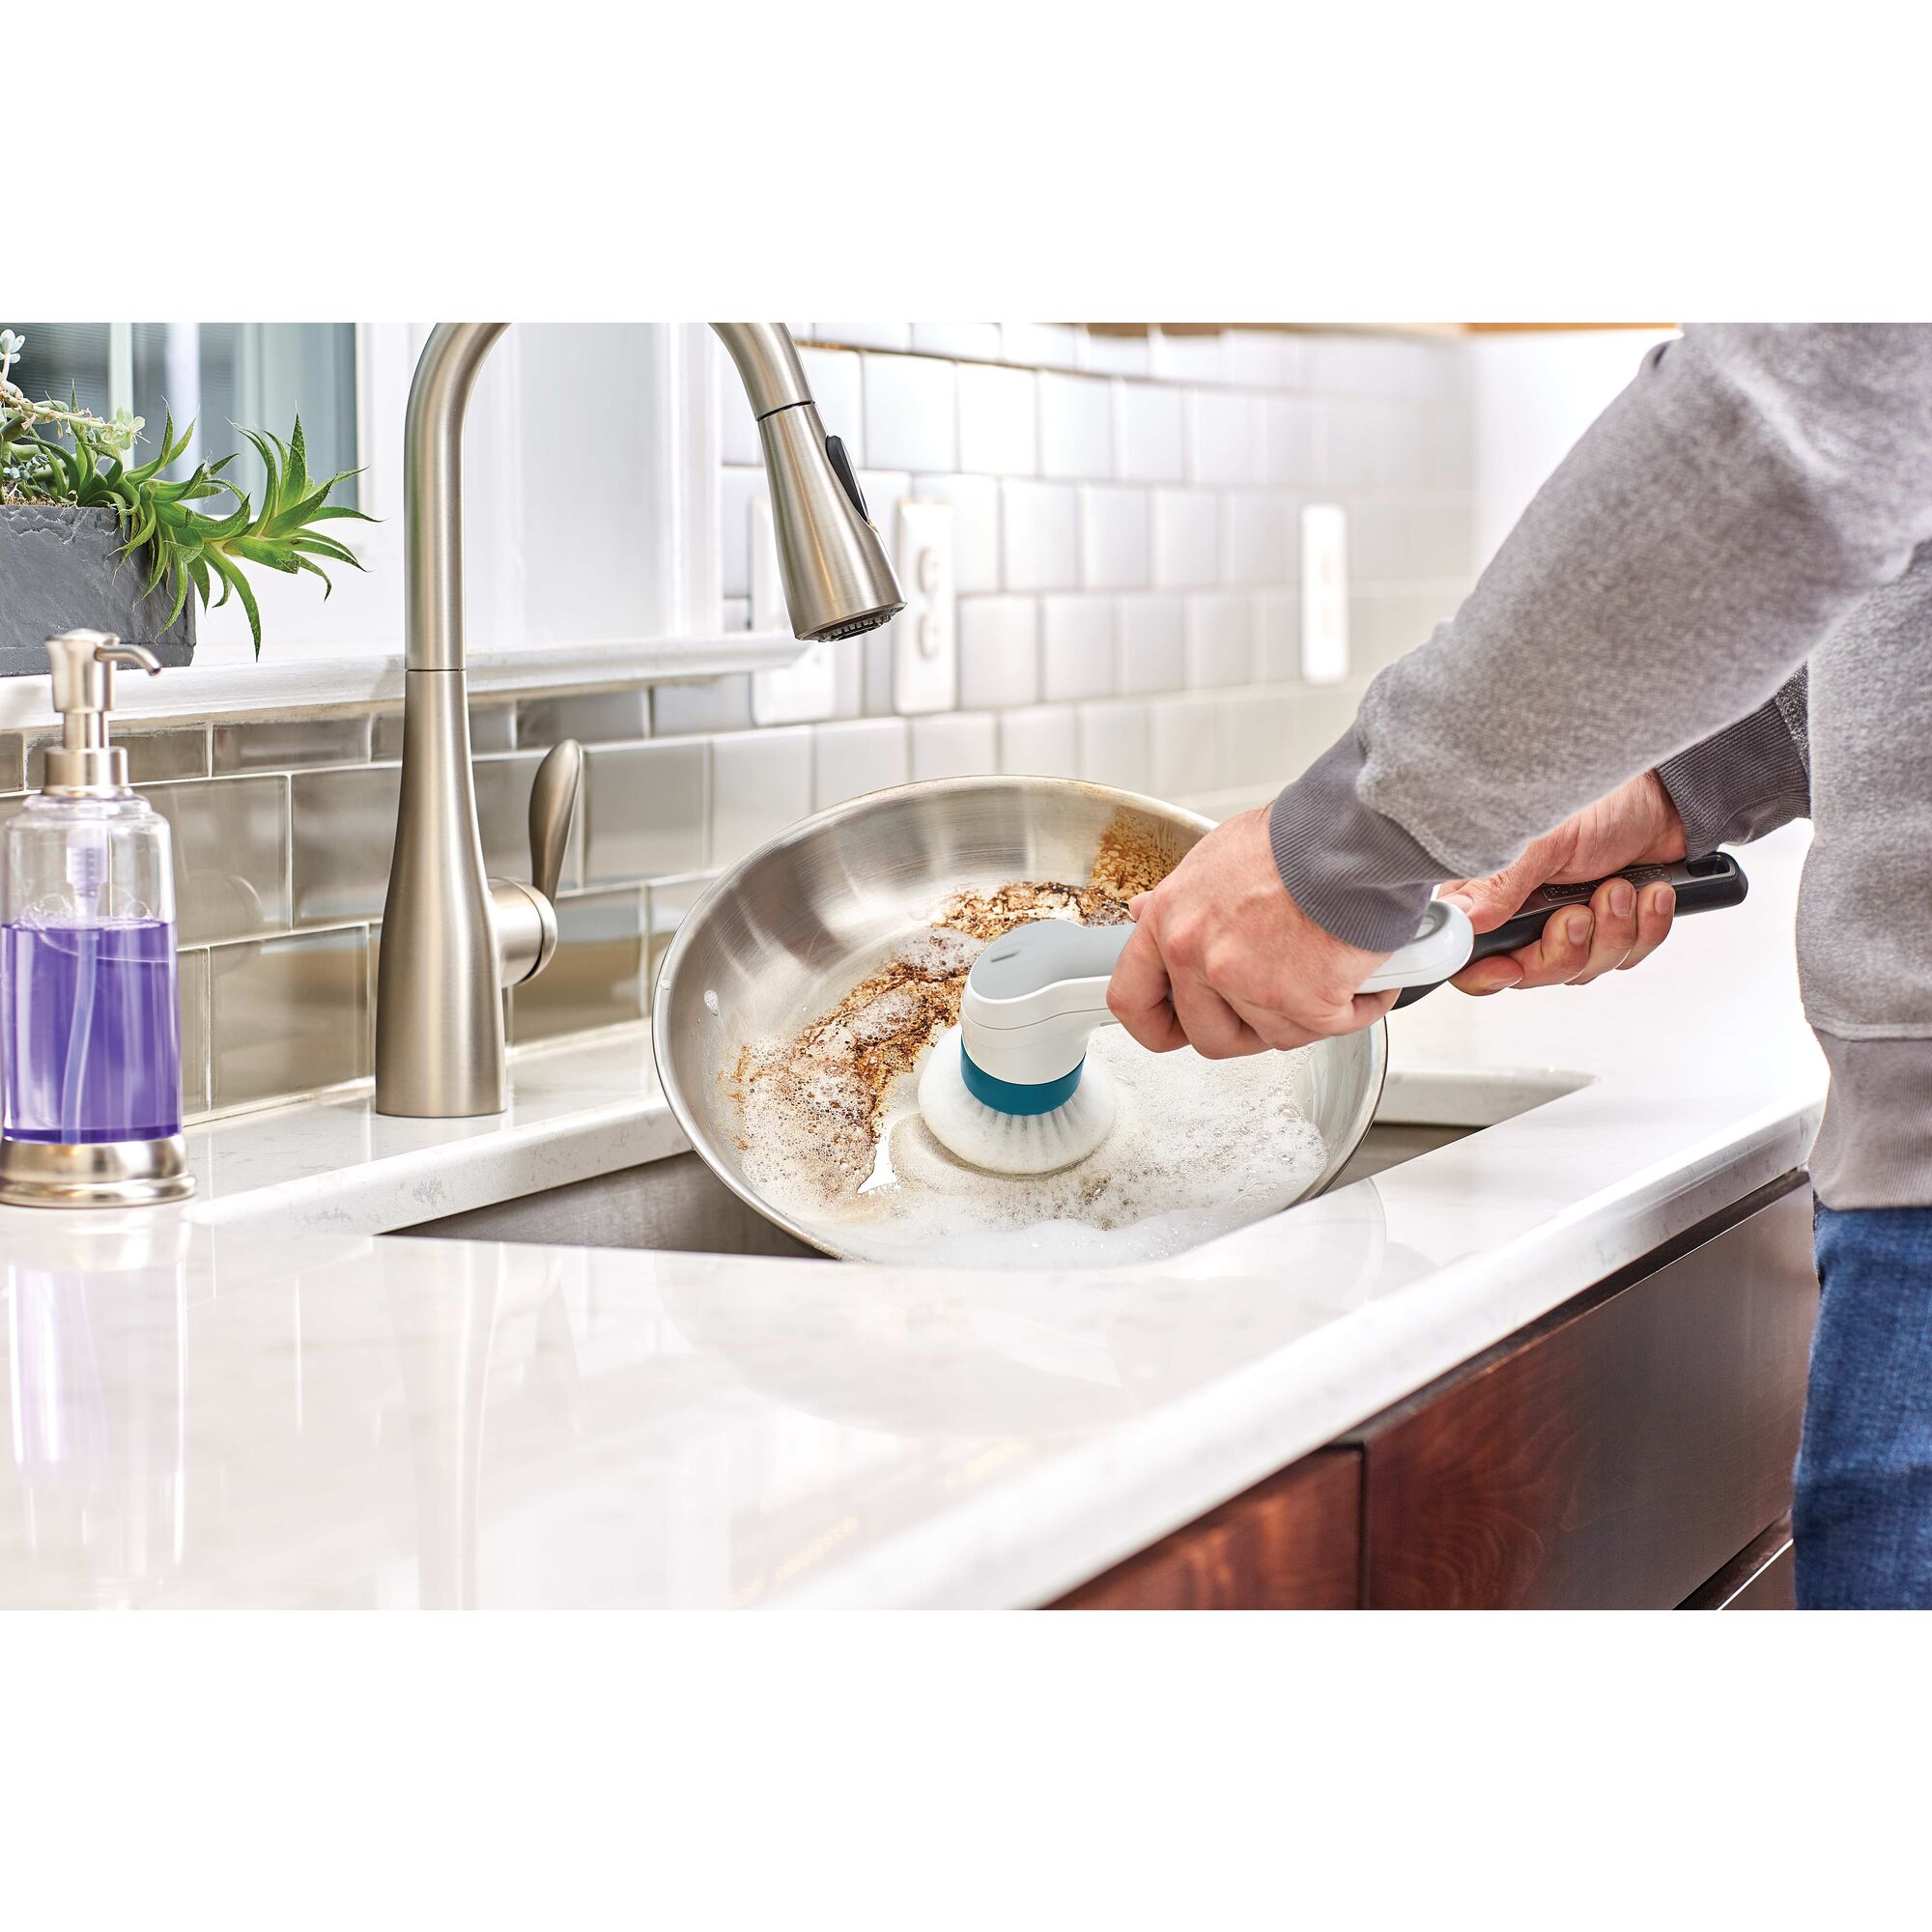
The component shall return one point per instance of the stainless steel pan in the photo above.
(787, 932)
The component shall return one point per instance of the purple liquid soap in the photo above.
(91, 1051)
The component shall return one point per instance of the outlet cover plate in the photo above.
(1324, 593)
(925, 634)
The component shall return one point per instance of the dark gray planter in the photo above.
(60, 569)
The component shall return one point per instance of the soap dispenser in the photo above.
(90, 1034)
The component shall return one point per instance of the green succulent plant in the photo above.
(57, 453)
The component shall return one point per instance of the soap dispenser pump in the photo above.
(90, 1051)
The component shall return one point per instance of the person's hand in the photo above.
(1223, 960)
(1636, 824)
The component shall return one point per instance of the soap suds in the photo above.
(832, 1138)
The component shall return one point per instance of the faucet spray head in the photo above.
(837, 582)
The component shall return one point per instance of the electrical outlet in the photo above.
(805, 689)
(925, 634)
(1324, 593)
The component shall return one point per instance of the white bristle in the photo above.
(1010, 1143)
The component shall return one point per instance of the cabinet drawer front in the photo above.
(1618, 1458)
(1292, 1542)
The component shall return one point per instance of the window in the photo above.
(590, 499)
(215, 375)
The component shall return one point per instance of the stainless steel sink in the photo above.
(678, 1204)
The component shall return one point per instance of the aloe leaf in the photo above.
(327, 547)
(179, 598)
(316, 569)
(238, 583)
(297, 465)
(269, 551)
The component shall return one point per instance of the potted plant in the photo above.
(87, 538)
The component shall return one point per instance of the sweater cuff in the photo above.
(1355, 873)
(1740, 783)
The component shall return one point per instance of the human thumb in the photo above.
(1493, 898)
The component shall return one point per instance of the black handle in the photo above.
(1702, 884)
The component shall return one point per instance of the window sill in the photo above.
(227, 683)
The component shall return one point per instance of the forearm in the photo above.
(1711, 531)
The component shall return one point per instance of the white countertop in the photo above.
(266, 1399)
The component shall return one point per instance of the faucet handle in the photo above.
(552, 806)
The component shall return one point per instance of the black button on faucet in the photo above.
(842, 465)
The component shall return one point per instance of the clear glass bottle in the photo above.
(90, 1034)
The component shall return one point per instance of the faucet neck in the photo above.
(433, 496)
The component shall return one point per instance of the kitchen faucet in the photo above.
(453, 939)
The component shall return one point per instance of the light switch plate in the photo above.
(1324, 593)
(925, 634)
(805, 689)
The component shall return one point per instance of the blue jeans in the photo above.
(1863, 1517)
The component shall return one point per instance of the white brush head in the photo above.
(1010, 1143)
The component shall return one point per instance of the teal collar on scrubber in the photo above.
(1012, 1096)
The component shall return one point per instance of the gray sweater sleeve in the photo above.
(1708, 532)
(1746, 780)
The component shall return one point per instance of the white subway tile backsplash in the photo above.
(866, 755)
(1287, 441)
(848, 676)
(1076, 647)
(884, 490)
(1341, 364)
(998, 651)
(1254, 538)
(1254, 358)
(1076, 426)
(1186, 539)
(1258, 739)
(836, 378)
(1038, 532)
(1320, 718)
(646, 811)
(977, 341)
(1184, 743)
(737, 490)
(1277, 636)
(737, 426)
(1044, 741)
(1154, 644)
(1220, 639)
(713, 704)
(1115, 354)
(1404, 541)
(1368, 444)
(1115, 537)
(1040, 345)
(999, 429)
(1384, 625)
(954, 745)
(1222, 437)
(975, 526)
(1113, 745)
(910, 412)
(1150, 433)
(1185, 359)
(760, 782)
(863, 334)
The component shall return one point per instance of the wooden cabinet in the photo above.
(1632, 1449)
(1293, 1543)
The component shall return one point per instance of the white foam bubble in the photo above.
(1198, 1148)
